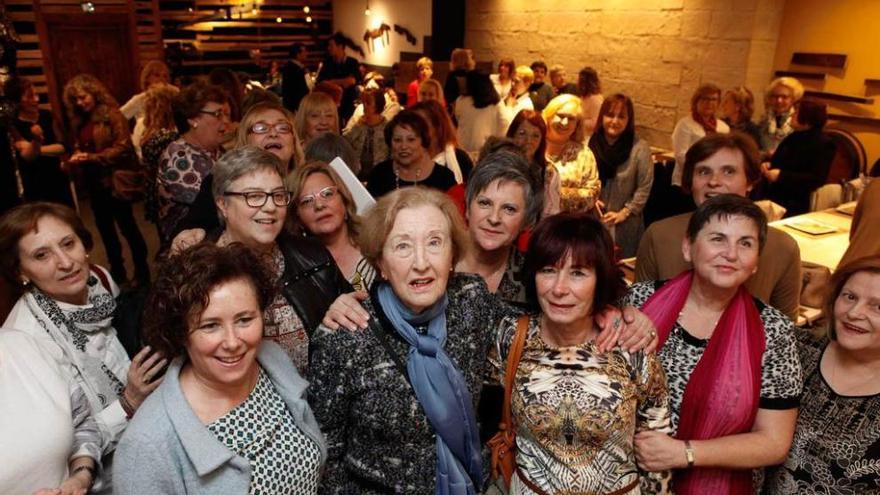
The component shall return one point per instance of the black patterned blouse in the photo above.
(379, 439)
(836, 446)
(283, 460)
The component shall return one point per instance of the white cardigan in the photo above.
(475, 125)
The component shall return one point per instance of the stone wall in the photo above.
(656, 51)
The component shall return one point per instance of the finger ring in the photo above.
(616, 323)
(653, 334)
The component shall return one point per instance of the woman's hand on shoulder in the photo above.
(142, 373)
(347, 311)
(185, 240)
(630, 329)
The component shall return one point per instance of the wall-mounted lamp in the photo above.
(87, 7)
(367, 10)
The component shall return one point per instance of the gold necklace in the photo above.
(397, 177)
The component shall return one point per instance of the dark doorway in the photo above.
(447, 28)
(100, 45)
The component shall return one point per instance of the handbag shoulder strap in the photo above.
(513, 357)
(101, 276)
(383, 340)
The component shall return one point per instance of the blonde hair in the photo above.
(378, 222)
(438, 89)
(154, 67)
(425, 62)
(159, 110)
(525, 73)
(297, 180)
(250, 118)
(559, 102)
(744, 99)
(797, 89)
(87, 83)
(314, 101)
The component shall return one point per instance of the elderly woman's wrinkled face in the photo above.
(224, 340)
(563, 123)
(274, 133)
(497, 214)
(320, 121)
(781, 98)
(209, 126)
(52, 258)
(417, 256)
(566, 293)
(254, 208)
(725, 252)
(857, 314)
(320, 208)
(528, 138)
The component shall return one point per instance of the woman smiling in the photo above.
(567, 152)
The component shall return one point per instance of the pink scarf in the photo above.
(722, 394)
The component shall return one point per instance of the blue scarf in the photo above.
(442, 391)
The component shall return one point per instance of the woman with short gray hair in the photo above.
(252, 203)
(501, 200)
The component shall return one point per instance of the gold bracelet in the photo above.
(689, 453)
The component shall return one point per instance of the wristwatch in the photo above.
(689, 452)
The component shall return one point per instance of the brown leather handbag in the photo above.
(503, 444)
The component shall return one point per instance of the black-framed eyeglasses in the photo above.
(256, 199)
(217, 114)
(310, 200)
(279, 127)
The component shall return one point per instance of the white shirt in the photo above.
(687, 132)
(475, 125)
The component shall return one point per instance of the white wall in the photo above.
(415, 15)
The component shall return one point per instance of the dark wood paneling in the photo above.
(825, 95)
(854, 119)
(830, 60)
(811, 76)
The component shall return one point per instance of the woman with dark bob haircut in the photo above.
(562, 374)
(838, 429)
(230, 415)
(408, 136)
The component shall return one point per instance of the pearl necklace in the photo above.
(397, 177)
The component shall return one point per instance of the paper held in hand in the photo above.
(363, 201)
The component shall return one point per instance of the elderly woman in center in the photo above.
(576, 409)
(396, 401)
(231, 415)
(730, 360)
(782, 93)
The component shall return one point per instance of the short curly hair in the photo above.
(191, 99)
(183, 288)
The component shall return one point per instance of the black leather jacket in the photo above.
(311, 280)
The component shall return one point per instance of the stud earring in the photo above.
(25, 282)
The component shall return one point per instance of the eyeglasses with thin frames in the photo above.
(278, 127)
(310, 200)
(217, 114)
(257, 199)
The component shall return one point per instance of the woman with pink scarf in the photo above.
(731, 361)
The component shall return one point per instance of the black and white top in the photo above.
(283, 460)
(836, 446)
(780, 366)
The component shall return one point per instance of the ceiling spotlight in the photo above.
(308, 18)
(278, 20)
(306, 9)
(88, 7)
(190, 10)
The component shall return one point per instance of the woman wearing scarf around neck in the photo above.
(731, 361)
(68, 304)
(396, 400)
(700, 123)
(782, 94)
(625, 170)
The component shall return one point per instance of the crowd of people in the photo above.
(295, 339)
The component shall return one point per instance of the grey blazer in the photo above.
(167, 449)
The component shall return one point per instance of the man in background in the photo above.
(294, 86)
